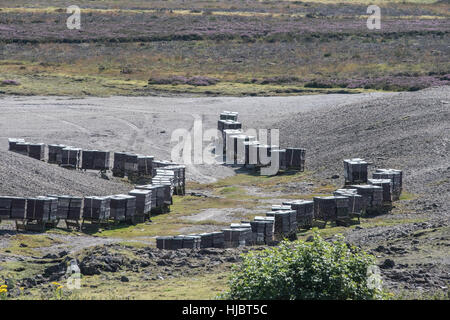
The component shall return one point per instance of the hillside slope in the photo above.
(24, 176)
(408, 131)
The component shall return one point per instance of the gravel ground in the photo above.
(408, 131)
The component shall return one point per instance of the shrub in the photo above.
(304, 270)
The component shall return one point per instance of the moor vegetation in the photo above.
(244, 47)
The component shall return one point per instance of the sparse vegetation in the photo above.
(304, 270)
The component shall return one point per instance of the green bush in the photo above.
(304, 270)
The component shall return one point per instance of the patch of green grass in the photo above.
(203, 287)
(28, 244)
(407, 196)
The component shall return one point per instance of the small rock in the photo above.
(124, 279)
(388, 264)
(335, 176)
(23, 245)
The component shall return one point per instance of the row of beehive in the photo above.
(137, 204)
(242, 149)
(284, 220)
(129, 164)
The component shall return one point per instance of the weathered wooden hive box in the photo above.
(5, 207)
(305, 211)
(131, 164)
(218, 239)
(228, 124)
(356, 201)
(295, 158)
(12, 143)
(387, 186)
(36, 151)
(355, 170)
(119, 164)
(55, 153)
(397, 180)
(42, 209)
(229, 115)
(236, 237)
(262, 230)
(372, 196)
(22, 148)
(143, 200)
(97, 208)
(154, 189)
(12, 208)
(325, 208)
(70, 157)
(227, 143)
(95, 160)
(164, 242)
(145, 165)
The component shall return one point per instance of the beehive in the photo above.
(305, 211)
(55, 153)
(96, 208)
(143, 200)
(36, 151)
(355, 170)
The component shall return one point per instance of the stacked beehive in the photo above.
(236, 237)
(372, 197)
(164, 242)
(63, 207)
(397, 180)
(218, 239)
(387, 186)
(325, 208)
(95, 160)
(342, 208)
(36, 151)
(251, 152)
(355, 170)
(356, 203)
(123, 207)
(229, 115)
(143, 201)
(145, 165)
(44, 209)
(179, 177)
(223, 125)
(154, 198)
(262, 230)
(131, 164)
(55, 153)
(22, 147)
(295, 158)
(70, 157)
(12, 142)
(285, 221)
(305, 211)
(5, 208)
(96, 208)
(228, 146)
(119, 164)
